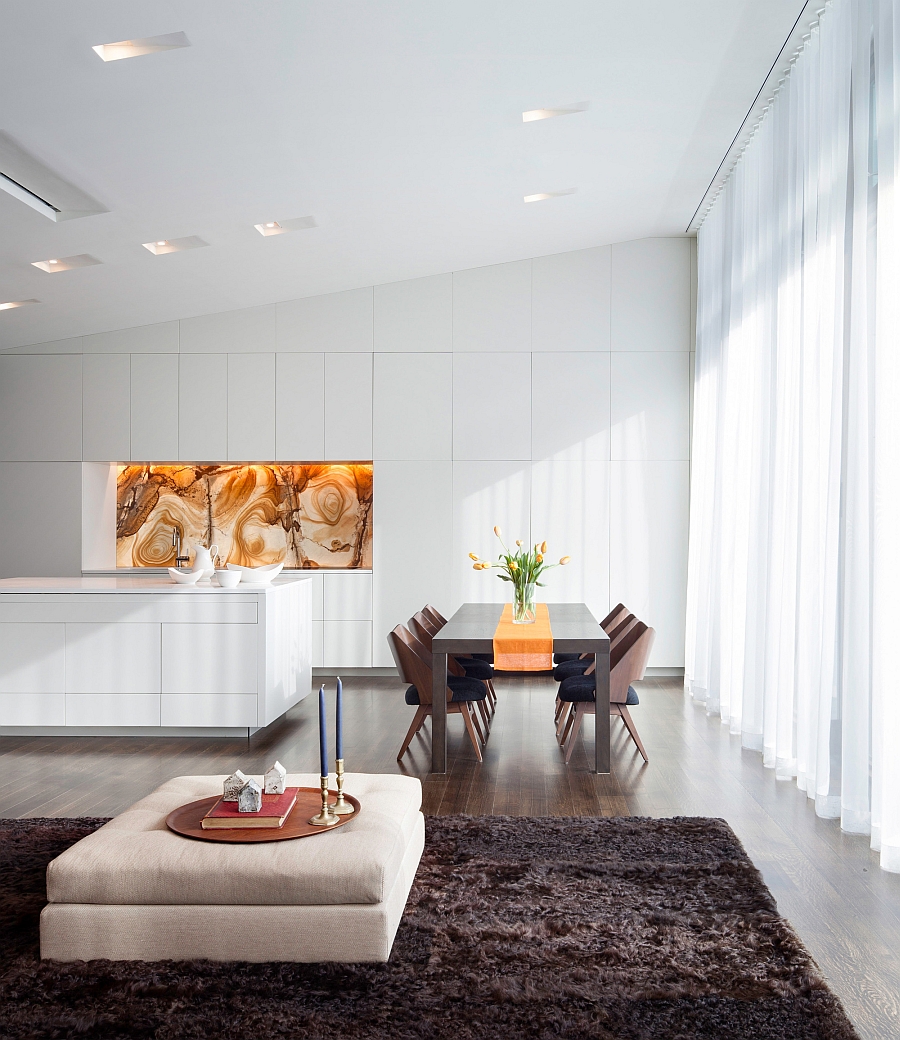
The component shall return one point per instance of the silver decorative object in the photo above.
(250, 797)
(275, 779)
(233, 785)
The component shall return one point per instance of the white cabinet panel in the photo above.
(34, 541)
(651, 294)
(334, 322)
(202, 407)
(318, 644)
(570, 306)
(145, 339)
(347, 644)
(188, 605)
(154, 407)
(650, 406)
(415, 316)
(485, 494)
(413, 409)
(56, 346)
(251, 407)
(491, 407)
(411, 566)
(208, 709)
(570, 406)
(648, 549)
(40, 408)
(106, 422)
(249, 330)
(347, 597)
(209, 658)
(348, 407)
(32, 658)
(112, 658)
(299, 407)
(570, 509)
(37, 709)
(112, 709)
(492, 307)
(317, 581)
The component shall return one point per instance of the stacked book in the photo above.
(274, 811)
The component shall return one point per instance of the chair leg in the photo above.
(417, 723)
(557, 709)
(580, 712)
(468, 719)
(485, 712)
(565, 720)
(471, 711)
(492, 694)
(632, 729)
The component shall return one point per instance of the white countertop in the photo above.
(137, 583)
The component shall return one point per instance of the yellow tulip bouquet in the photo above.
(523, 568)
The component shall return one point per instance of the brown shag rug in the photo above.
(609, 929)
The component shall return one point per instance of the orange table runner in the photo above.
(524, 648)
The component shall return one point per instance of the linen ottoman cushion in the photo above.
(135, 858)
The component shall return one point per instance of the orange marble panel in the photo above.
(310, 516)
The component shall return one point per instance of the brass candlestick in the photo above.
(325, 818)
(340, 806)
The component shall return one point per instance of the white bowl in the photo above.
(257, 575)
(228, 579)
(181, 577)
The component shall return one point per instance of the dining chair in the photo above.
(627, 664)
(586, 667)
(414, 667)
(454, 667)
(472, 667)
(611, 620)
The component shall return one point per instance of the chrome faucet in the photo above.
(176, 545)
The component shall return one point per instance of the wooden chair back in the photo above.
(417, 662)
(431, 625)
(628, 662)
(435, 614)
(617, 612)
(421, 632)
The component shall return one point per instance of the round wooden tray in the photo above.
(186, 820)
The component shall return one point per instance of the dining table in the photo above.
(471, 631)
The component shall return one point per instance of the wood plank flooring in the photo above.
(828, 884)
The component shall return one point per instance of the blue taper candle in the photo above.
(323, 733)
(339, 721)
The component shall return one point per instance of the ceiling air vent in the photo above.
(29, 181)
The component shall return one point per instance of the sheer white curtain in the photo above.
(793, 631)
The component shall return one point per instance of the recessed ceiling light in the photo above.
(174, 245)
(541, 196)
(280, 227)
(67, 263)
(549, 113)
(16, 303)
(145, 45)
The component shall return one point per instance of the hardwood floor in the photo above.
(828, 884)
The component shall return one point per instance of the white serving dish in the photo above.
(182, 577)
(228, 579)
(257, 575)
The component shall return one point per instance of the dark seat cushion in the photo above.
(568, 668)
(581, 688)
(561, 658)
(476, 669)
(461, 686)
(484, 657)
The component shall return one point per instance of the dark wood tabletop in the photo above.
(471, 631)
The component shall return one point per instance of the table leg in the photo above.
(439, 713)
(601, 714)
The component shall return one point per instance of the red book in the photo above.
(275, 810)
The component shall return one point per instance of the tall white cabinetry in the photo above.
(101, 653)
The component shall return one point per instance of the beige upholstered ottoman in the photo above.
(133, 890)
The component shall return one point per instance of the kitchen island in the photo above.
(141, 655)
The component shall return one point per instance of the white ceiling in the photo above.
(396, 123)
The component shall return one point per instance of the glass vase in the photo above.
(523, 604)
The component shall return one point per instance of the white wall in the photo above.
(550, 396)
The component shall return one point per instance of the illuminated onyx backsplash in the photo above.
(308, 515)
